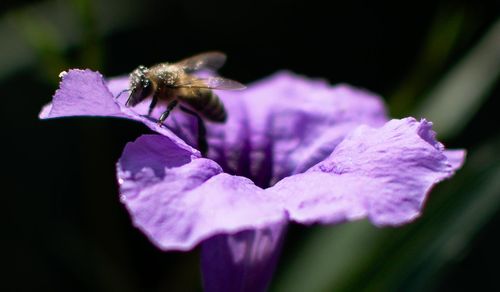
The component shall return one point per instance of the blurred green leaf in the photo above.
(41, 33)
(458, 96)
(92, 49)
(329, 256)
(43, 37)
(446, 31)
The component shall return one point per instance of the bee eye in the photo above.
(139, 92)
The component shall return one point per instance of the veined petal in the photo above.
(244, 261)
(382, 173)
(286, 123)
(455, 157)
(179, 199)
(81, 93)
(86, 93)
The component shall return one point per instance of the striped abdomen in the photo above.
(207, 104)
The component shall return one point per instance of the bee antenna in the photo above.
(118, 95)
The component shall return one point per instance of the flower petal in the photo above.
(383, 174)
(86, 93)
(455, 157)
(286, 123)
(244, 261)
(81, 93)
(179, 199)
(279, 126)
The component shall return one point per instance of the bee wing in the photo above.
(205, 61)
(212, 83)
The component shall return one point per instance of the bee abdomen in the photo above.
(209, 105)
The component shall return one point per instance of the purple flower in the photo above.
(292, 150)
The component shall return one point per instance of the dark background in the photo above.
(64, 228)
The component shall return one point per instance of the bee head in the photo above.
(140, 86)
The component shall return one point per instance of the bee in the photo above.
(176, 83)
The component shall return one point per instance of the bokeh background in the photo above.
(64, 228)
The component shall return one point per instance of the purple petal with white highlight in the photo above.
(286, 123)
(382, 173)
(179, 199)
(244, 261)
(81, 93)
(86, 93)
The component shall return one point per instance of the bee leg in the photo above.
(165, 114)
(152, 104)
(202, 131)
